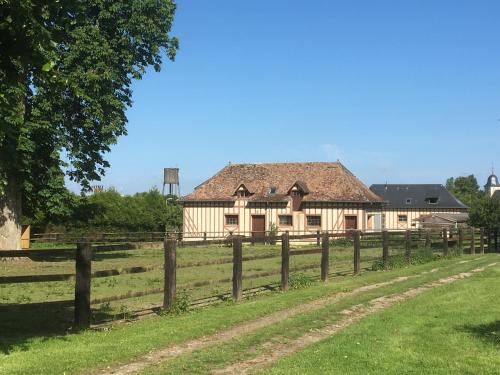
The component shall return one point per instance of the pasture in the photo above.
(209, 331)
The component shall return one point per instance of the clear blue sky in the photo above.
(399, 91)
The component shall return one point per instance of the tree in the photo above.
(485, 212)
(465, 188)
(66, 68)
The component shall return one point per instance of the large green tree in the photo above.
(66, 69)
(464, 188)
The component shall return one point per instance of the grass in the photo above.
(44, 350)
(254, 343)
(453, 329)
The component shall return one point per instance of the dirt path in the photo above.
(352, 315)
(224, 336)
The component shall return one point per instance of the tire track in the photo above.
(350, 316)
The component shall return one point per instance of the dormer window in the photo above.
(431, 200)
(272, 190)
(296, 193)
(242, 192)
(408, 200)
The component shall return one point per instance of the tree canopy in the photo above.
(66, 69)
(464, 188)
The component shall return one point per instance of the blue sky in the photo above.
(399, 91)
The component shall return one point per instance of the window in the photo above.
(408, 200)
(431, 200)
(231, 219)
(313, 221)
(243, 193)
(402, 218)
(286, 220)
(296, 193)
(272, 190)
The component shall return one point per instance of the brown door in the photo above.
(351, 222)
(258, 226)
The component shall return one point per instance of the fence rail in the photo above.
(476, 240)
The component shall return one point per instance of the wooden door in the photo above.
(351, 222)
(258, 226)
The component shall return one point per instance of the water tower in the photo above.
(171, 178)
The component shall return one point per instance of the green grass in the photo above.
(254, 343)
(45, 349)
(453, 329)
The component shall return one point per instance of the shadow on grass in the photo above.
(22, 324)
(487, 332)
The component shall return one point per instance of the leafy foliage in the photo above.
(299, 281)
(110, 211)
(465, 188)
(399, 260)
(66, 70)
(485, 212)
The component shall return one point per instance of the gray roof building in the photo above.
(418, 196)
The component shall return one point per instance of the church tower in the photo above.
(492, 185)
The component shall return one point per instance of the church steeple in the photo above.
(492, 184)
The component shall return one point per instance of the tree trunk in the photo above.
(10, 218)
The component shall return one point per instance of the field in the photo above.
(39, 342)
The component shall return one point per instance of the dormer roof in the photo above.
(323, 182)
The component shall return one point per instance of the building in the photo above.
(492, 186)
(297, 197)
(406, 204)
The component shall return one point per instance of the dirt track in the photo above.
(231, 333)
(352, 315)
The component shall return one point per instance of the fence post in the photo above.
(170, 282)
(445, 242)
(472, 242)
(325, 257)
(318, 238)
(82, 285)
(285, 261)
(461, 239)
(237, 268)
(481, 240)
(204, 236)
(357, 252)
(408, 245)
(428, 239)
(385, 248)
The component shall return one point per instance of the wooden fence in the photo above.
(408, 240)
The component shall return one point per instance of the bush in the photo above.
(399, 260)
(299, 281)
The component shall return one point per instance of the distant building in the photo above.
(296, 197)
(406, 206)
(492, 186)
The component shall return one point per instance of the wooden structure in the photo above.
(25, 236)
(249, 199)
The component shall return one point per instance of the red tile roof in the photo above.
(325, 182)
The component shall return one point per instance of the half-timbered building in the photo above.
(295, 197)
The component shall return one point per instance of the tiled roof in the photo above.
(416, 196)
(321, 181)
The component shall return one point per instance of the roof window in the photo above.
(431, 200)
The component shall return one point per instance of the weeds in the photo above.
(299, 281)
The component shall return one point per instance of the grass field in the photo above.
(46, 350)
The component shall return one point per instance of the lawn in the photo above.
(48, 350)
(454, 329)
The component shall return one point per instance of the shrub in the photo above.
(299, 280)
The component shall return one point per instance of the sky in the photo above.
(398, 91)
